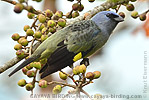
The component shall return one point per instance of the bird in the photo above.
(73, 42)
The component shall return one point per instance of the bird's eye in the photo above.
(110, 15)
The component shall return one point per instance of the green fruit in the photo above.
(68, 15)
(91, 0)
(23, 42)
(19, 41)
(30, 9)
(82, 68)
(41, 18)
(26, 27)
(59, 14)
(51, 23)
(22, 82)
(43, 83)
(41, 26)
(62, 22)
(44, 30)
(21, 1)
(52, 30)
(97, 74)
(57, 89)
(37, 65)
(49, 13)
(38, 0)
(122, 14)
(90, 75)
(20, 53)
(30, 15)
(29, 32)
(37, 34)
(130, 7)
(18, 8)
(29, 66)
(24, 70)
(15, 36)
(29, 87)
(62, 76)
(76, 70)
(44, 37)
(30, 73)
(75, 6)
(75, 14)
(142, 17)
(80, 8)
(134, 14)
(18, 47)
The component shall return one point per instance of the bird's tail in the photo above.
(26, 62)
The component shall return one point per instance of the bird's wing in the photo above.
(79, 40)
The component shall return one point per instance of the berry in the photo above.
(18, 8)
(30, 73)
(80, 8)
(62, 76)
(43, 83)
(75, 14)
(23, 42)
(19, 41)
(43, 30)
(142, 17)
(76, 70)
(41, 18)
(130, 7)
(44, 37)
(29, 66)
(59, 14)
(18, 47)
(15, 36)
(122, 14)
(38, 0)
(91, 0)
(29, 32)
(30, 9)
(75, 6)
(90, 75)
(57, 89)
(62, 22)
(52, 30)
(49, 13)
(97, 74)
(29, 87)
(51, 23)
(21, 1)
(20, 53)
(26, 27)
(82, 68)
(68, 15)
(37, 34)
(30, 15)
(24, 70)
(37, 65)
(41, 26)
(22, 82)
(134, 14)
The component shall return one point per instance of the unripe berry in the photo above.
(49, 13)
(44, 30)
(30, 9)
(130, 7)
(134, 14)
(51, 23)
(18, 8)
(24, 70)
(76, 70)
(62, 76)
(57, 89)
(29, 32)
(37, 65)
(41, 18)
(97, 74)
(30, 15)
(37, 34)
(122, 14)
(24, 42)
(26, 27)
(133, 0)
(82, 68)
(44, 37)
(75, 14)
(29, 86)
(68, 15)
(91, 0)
(15, 36)
(29, 66)
(38, 0)
(41, 26)
(21, 1)
(75, 6)
(90, 75)
(62, 22)
(80, 8)
(19, 41)
(59, 14)
(142, 17)
(20, 53)
(30, 73)
(22, 82)
(43, 83)
(18, 47)
(52, 30)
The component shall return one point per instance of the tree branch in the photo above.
(106, 5)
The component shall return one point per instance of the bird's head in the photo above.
(107, 20)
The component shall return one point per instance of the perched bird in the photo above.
(74, 42)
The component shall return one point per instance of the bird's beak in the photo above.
(119, 19)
